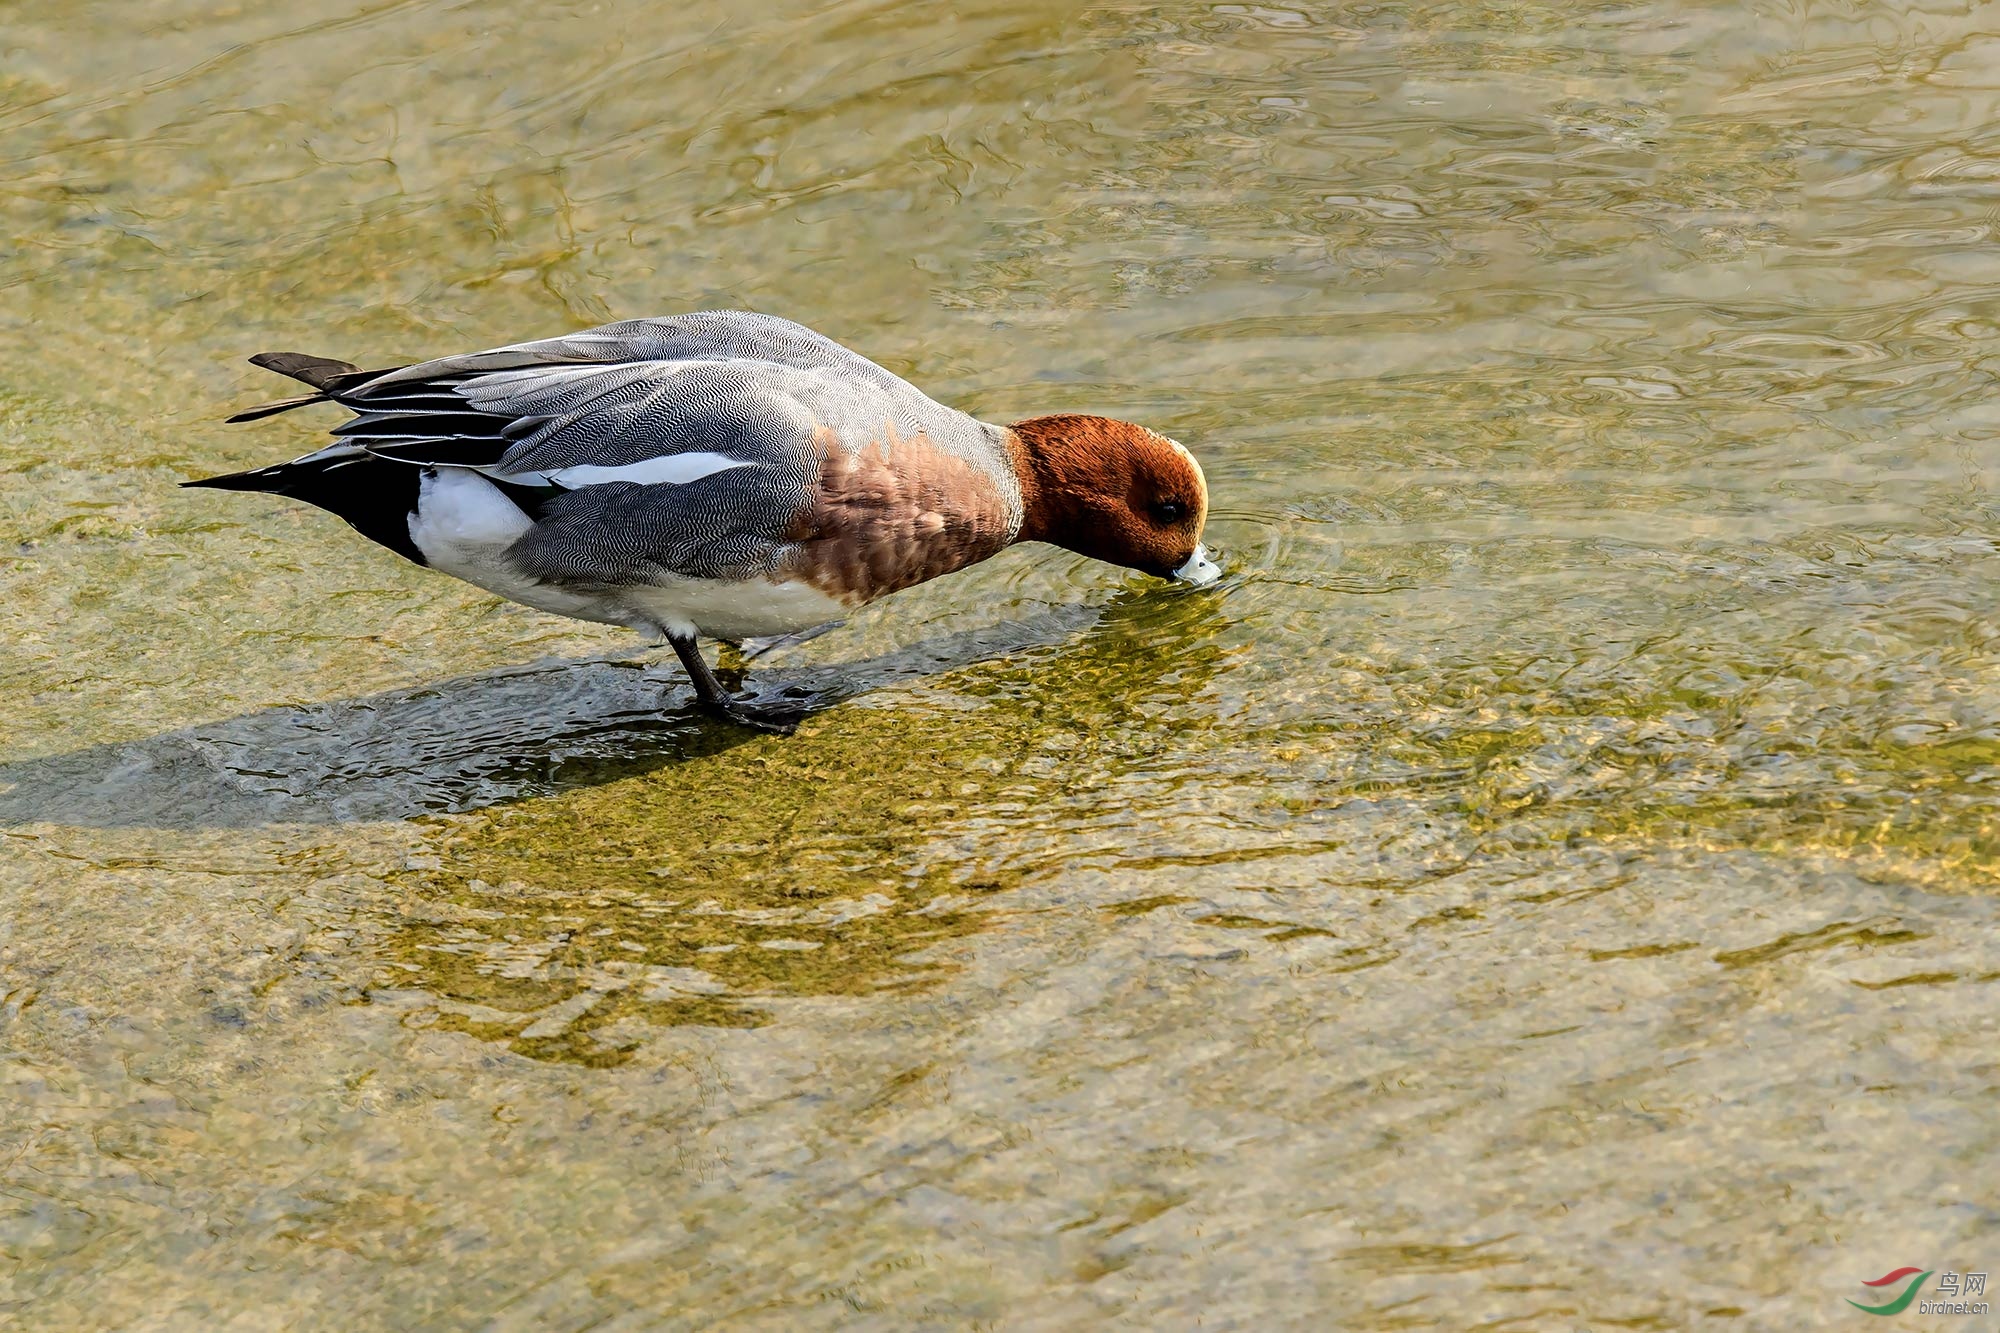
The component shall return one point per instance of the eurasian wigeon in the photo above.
(720, 473)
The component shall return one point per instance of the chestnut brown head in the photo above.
(1115, 492)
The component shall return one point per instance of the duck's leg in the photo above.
(708, 692)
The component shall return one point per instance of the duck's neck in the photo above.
(1059, 463)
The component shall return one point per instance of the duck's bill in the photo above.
(1199, 569)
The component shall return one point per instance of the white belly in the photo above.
(464, 525)
(732, 610)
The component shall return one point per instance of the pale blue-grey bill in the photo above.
(1199, 569)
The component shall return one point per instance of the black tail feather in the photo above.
(325, 374)
(262, 410)
(271, 479)
(375, 495)
(318, 371)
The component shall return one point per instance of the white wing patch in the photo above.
(671, 470)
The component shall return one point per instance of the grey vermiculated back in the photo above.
(618, 415)
(764, 391)
(704, 335)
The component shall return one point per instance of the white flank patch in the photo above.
(462, 516)
(464, 525)
(671, 470)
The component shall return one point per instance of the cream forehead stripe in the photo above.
(1200, 478)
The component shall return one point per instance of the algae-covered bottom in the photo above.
(1549, 882)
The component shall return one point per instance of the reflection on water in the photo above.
(1530, 891)
(565, 926)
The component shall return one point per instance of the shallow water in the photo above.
(1550, 883)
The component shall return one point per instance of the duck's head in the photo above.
(1115, 492)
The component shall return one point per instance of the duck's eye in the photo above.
(1169, 511)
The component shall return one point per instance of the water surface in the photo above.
(1550, 883)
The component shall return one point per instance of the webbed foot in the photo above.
(781, 715)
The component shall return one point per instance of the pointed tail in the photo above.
(258, 479)
(326, 375)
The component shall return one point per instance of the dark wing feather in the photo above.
(710, 335)
(262, 410)
(539, 419)
(317, 371)
(324, 373)
(598, 396)
(623, 393)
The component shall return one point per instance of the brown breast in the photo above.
(893, 513)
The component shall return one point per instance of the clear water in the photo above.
(1549, 884)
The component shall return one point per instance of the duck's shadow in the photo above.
(458, 745)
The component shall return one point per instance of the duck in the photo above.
(719, 474)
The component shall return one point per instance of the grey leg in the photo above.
(709, 693)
